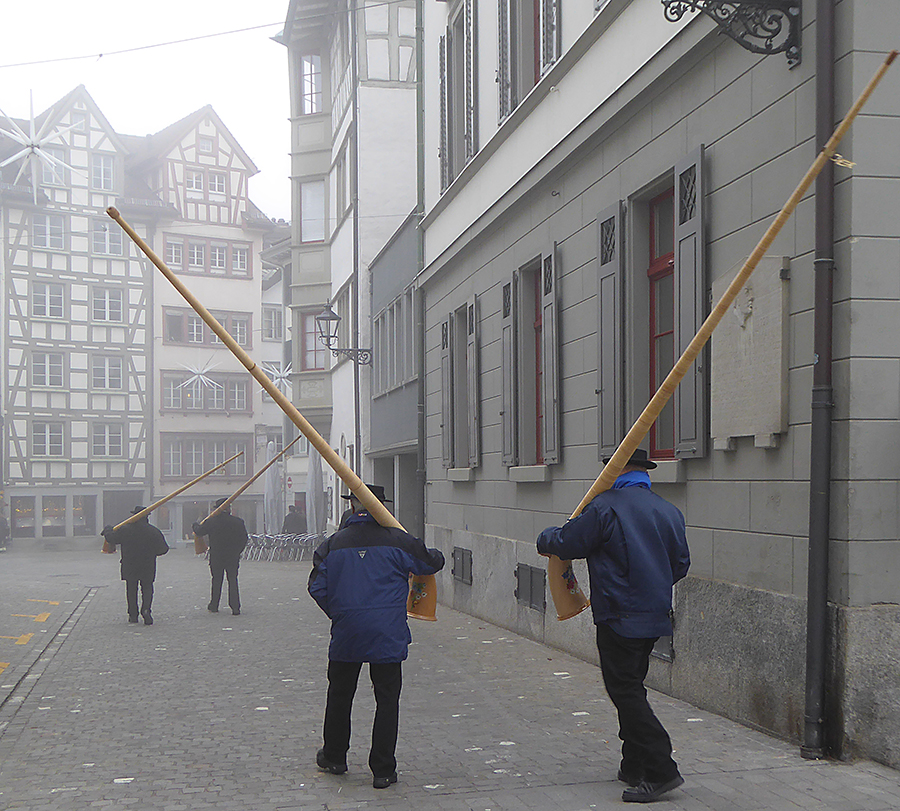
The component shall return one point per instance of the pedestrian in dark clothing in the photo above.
(294, 522)
(227, 539)
(636, 550)
(142, 543)
(360, 579)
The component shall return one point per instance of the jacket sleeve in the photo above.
(161, 546)
(575, 539)
(680, 556)
(318, 577)
(426, 561)
(200, 529)
(244, 537)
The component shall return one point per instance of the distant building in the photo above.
(116, 392)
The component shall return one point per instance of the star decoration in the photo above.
(280, 377)
(199, 375)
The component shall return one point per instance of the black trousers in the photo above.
(131, 595)
(219, 572)
(646, 747)
(387, 679)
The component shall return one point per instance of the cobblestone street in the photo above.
(213, 711)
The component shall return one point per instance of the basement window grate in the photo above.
(531, 587)
(462, 565)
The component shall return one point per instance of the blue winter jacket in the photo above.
(636, 550)
(360, 579)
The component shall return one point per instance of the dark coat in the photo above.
(294, 523)
(227, 538)
(360, 579)
(636, 550)
(141, 544)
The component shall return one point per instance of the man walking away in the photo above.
(227, 539)
(636, 550)
(360, 579)
(142, 543)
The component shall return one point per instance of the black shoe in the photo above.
(236, 611)
(213, 608)
(132, 619)
(384, 782)
(328, 766)
(648, 792)
(632, 779)
(148, 620)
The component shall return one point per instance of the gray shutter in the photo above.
(473, 378)
(691, 407)
(444, 151)
(504, 68)
(550, 405)
(508, 400)
(550, 33)
(610, 330)
(471, 78)
(447, 392)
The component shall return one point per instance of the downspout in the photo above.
(822, 400)
(419, 294)
(354, 192)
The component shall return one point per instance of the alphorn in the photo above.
(164, 499)
(199, 544)
(567, 595)
(422, 589)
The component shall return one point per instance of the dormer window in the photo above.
(205, 145)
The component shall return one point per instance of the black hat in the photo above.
(221, 501)
(638, 459)
(377, 491)
(138, 509)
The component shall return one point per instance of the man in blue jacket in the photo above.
(360, 579)
(636, 550)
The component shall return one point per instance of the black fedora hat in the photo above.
(219, 502)
(377, 491)
(138, 509)
(638, 458)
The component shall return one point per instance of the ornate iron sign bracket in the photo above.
(760, 26)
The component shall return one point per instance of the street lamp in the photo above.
(327, 324)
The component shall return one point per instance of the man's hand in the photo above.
(196, 528)
(107, 530)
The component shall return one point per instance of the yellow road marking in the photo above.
(3, 666)
(20, 640)
(36, 617)
(50, 602)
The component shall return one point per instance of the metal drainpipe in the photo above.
(822, 400)
(419, 295)
(354, 191)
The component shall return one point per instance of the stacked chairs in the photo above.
(280, 547)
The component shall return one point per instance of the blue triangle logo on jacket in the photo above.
(362, 553)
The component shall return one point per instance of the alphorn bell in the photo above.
(567, 595)
(424, 587)
(147, 510)
(200, 545)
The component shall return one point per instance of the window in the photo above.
(189, 456)
(46, 300)
(172, 393)
(529, 45)
(240, 329)
(310, 84)
(193, 180)
(460, 388)
(207, 256)
(102, 172)
(312, 353)
(205, 145)
(106, 373)
(215, 397)
(48, 231)
(196, 255)
(195, 329)
(217, 183)
(193, 395)
(55, 175)
(174, 253)
(47, 369)
(529, 349)
(193, 457)
(458, 97)
(105, 238)
(183, 326)
(218, 259)
(312, 211)
(171, 461)
(106, 440)
(47, 439)
(106, 305)
(240, 261)
(273, 324)
(237, 395)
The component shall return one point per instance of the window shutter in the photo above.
(471, 70)
(446, 393)
(550, 33)
(610, 327)
(550, 405)
(508, 401)
(504, 69)
(691, 408)
(473, 369)
(444, 153)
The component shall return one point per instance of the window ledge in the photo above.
(461, 474)
(668, 471)
(530, 473)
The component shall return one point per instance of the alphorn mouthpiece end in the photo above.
(113, 212)
(890, 57)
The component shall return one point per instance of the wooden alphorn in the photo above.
(199, 544)
(164, 499)
(567, 595)
(422, 587)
